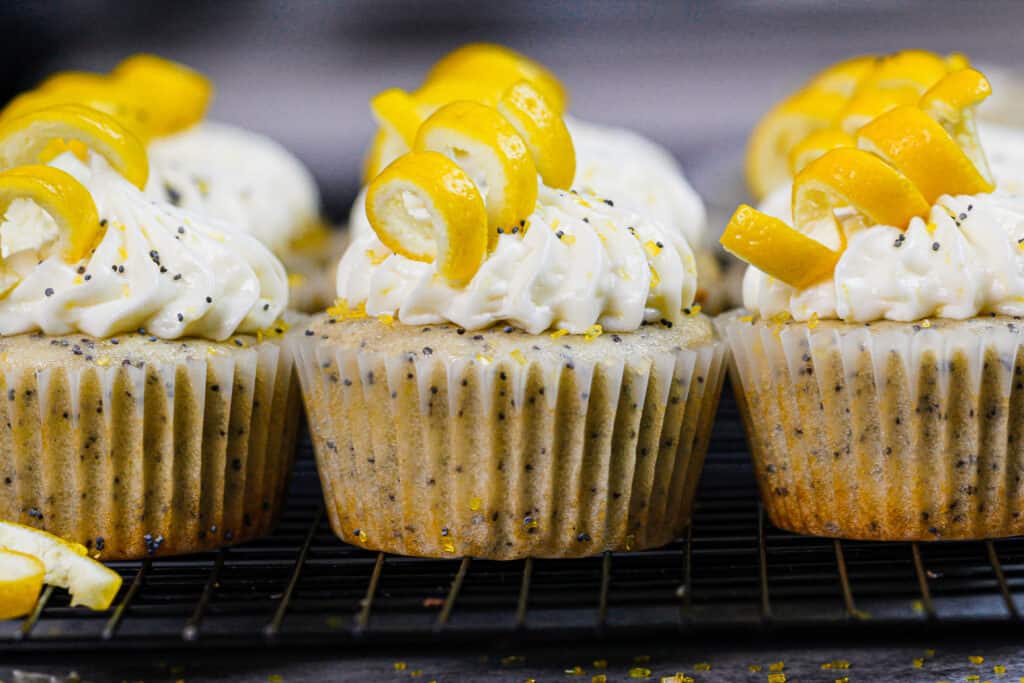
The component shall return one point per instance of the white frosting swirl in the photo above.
(967, 259)
(625, 167)
(236, 176)
(168, 270)
(599, 271)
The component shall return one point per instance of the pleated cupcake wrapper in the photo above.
(134, 461)
(502, 459)
(889, 432)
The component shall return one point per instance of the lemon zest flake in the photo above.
(976, 659)
(475, 503)
(593, 332)
(653, 248)
(482, 359)
(559, 333)
(387, 319)
(639, 672)
(518, 356)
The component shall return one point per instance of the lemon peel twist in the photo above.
(182, 95)
(426, 208)
(66, 200)
(24, 139)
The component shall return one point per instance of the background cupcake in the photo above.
(540, 384)
(147, 411)
(879, 368)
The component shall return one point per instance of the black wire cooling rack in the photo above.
(303, 586)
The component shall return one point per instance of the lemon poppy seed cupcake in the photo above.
(879, 362)
(519, 375)
(149, 407)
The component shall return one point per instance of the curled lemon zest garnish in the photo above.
(181, 95)
(482, 139)
(424, 207)
(25, 138)
(395, 110)
(67, 201)
(544, 132)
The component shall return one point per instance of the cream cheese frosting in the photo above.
(237, 176)
(581, 262)
(170, 271)
(967, 259)
(621, 165)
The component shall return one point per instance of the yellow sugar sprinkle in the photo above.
(653, 248)
(655, 278)
(482, 359)
(600, 663)
(777, 677)
(999, 669)
(103, 361)
(754, 668)
(926, 323)
(747, 319)
(399, 666)
(702, 666)
(78, 280)
(813, 321)
(296, 279)
(584, 203)
(569, 239)
(387, 319)
(593, 332)
(475, 503)
(976, 659)
(122, 252)
(598, 678)
(559, 333)
(642, 659)
(518, 356)
(779, 666)
(575, 671)
(375, 258)
(639, 672)
(448, 546)
(918, 663)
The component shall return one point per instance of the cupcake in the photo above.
(610, 162)
(513, 368)
(222, 171)
(150, 408)
(879, 363)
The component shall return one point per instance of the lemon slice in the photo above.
(866, 105)
(492, 153)
(815, 145)
(111, 99)
(786, 124)
(925, 153)
(66, 200)
(24, 138)
(856, 181)
(770, 245)
(395, 110)
(67, 565)
(21, 579)
(426, 208)
(498, 65)
(181, 95)
(544, 131)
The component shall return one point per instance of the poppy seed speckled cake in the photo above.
(149, 407)
(879, 363)
(514, 367)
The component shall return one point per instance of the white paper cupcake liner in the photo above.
(523, 454)
(887, 431)
(141, 454)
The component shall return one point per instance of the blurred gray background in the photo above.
(692, 75)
